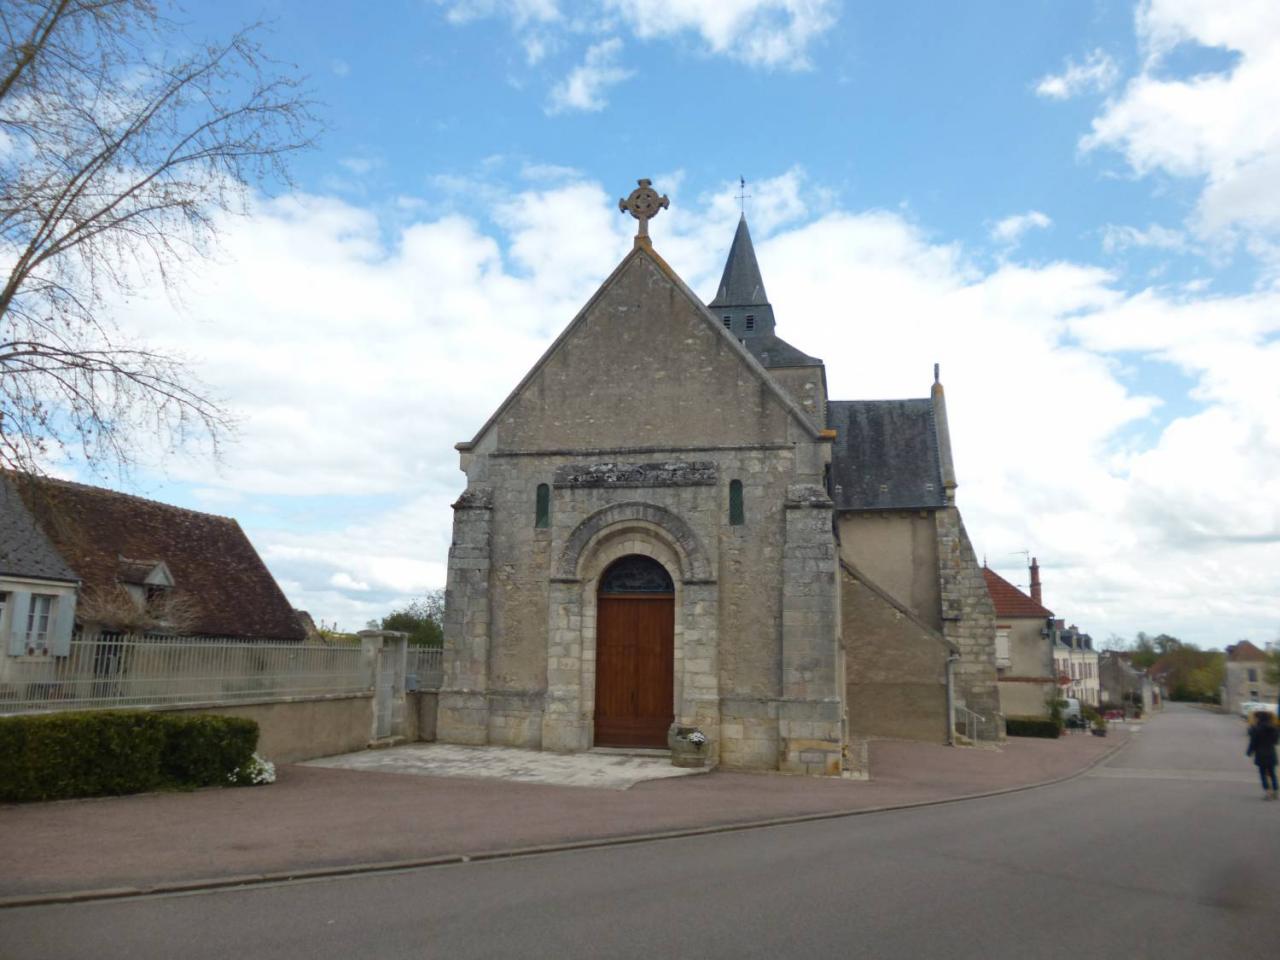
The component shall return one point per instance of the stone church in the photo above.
(668, 525)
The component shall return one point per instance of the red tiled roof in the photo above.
(1244, 651)
(102, 534)
(1009, 600)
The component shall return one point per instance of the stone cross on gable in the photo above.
(644, 204)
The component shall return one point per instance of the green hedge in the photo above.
(1032, 727)
(57, 756)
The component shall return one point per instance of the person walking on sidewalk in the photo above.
(1262, 747)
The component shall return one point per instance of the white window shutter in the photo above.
(20, 604)
(1002, 647)
(64, 622)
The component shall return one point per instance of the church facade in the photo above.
(650, 541)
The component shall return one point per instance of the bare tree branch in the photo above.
(115, 165)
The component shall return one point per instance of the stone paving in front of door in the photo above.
(607, 771)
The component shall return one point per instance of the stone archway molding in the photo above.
(697, 568)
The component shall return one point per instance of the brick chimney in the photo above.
(1035, 582)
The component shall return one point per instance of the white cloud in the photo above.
(585, 86)
(344, 581)
(1010, 230)
(770, 34)
(1116, 238)
(360, 166)
(358, 353)
(1096, 74)
(767, 33)
(520, 12)
(1221, 127)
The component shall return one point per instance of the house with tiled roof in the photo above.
(1246, 671)
(82, 558)
(1024, 645)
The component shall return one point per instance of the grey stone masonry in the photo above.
(463, 704)
(968, 620)
(811, 710)
(669, 473)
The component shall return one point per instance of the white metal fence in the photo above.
(123, 671)
(426, 664)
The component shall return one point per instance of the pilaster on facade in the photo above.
(811, 711)
(464, 703)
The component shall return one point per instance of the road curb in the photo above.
(392, 866)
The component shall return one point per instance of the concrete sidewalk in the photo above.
(318, 819)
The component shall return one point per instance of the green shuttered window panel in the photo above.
(737, 515)
(542, 512)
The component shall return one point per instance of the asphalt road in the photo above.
(1163, 852)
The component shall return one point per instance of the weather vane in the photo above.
(644, 204)
(743, 196)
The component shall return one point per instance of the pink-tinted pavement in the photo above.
(316, 819)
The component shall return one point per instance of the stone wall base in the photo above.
(463, 717)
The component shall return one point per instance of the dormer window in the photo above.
(728, 322)
(751, 322)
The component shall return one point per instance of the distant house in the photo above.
(1024, 650)
(1123, 685)
(1245, 673)
(1075, 658)
(80, 558)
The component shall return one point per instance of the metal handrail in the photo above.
(971, 728)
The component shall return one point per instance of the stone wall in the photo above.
(895, 667)
(898, 551)
(808, 387)
(968, 619)
(302, 728)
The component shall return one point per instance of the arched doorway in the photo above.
(635, 648)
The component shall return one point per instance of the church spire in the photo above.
(740, 300)
(741, 284)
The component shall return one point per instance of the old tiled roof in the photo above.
(24, 549)
(1244, 651)
(212, 562)
(1009, 600)
(885, 455)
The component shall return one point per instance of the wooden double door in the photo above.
(635, 672)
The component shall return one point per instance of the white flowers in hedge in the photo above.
(255, 771)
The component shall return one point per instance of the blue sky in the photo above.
(1070, 205)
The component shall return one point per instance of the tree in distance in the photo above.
(121, 142)
(421, 619)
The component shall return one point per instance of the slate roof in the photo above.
(772, 351)
(741, 284)
(24, 549)
(104, 535)
(885, 455)
(1244, 651)
(1009, 600)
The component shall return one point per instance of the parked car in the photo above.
(1071, 714)
(1251, 707)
